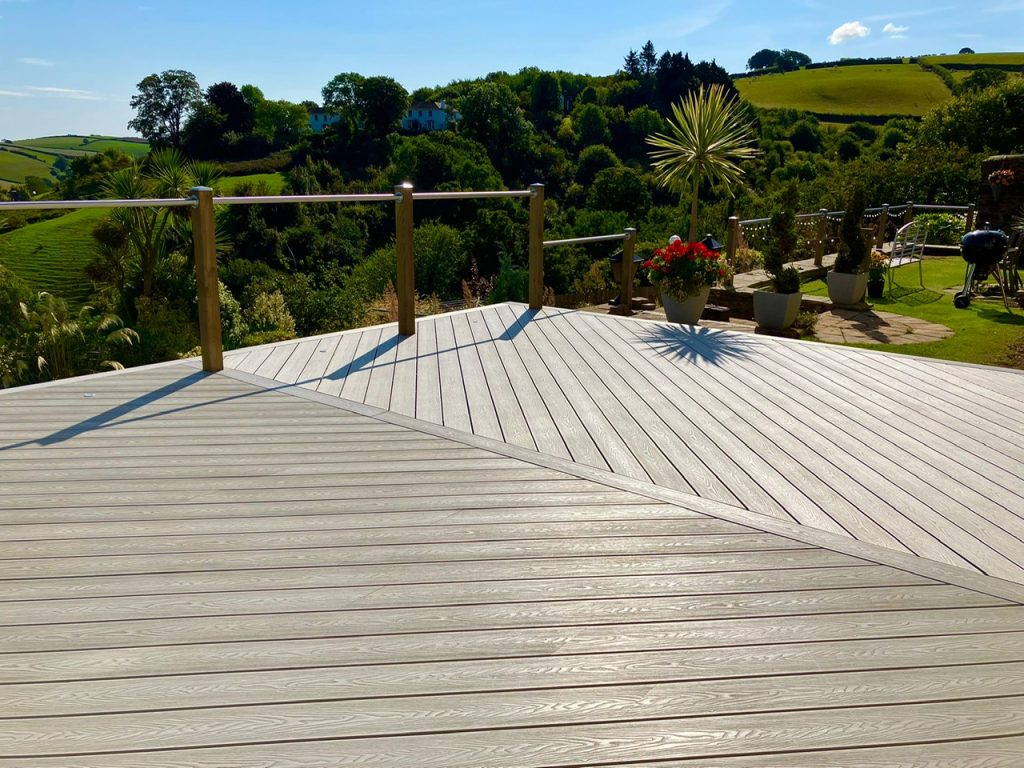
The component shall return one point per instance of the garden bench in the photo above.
(907, 249)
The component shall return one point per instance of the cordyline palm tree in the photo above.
(164, 174)
(707, 140)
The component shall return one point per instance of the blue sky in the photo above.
(70, 66)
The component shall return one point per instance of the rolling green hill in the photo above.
(864, 90)
(977, 60)
(16, 164)
(78, 144)
(274, 181)
(52, 255)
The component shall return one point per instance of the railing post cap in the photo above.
(401, 188)
(195, 191)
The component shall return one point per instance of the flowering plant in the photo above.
(877, 263)
(683, 269)
(1002, 178)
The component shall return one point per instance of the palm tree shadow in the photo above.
(693, 344)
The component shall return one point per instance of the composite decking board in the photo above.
(100, 565)
(532, 376)
(986, 402)
(382, 371)
(254, 359)
(594, 422)
(74, 698)
(478, 385)
(428, 375)
(514, 425)
(242, 655)
(340, 575)
(668, 457)
(410, 595)
(296, 363)
(358, 371)
(977, 504)
(332, 380)
(982, 441)
(925, 508)
(315, 368)
(403, 384)
(749, 446)
(544, 432)
(757, 414)
(748, 474)
(455, 411)
(927, 487)
(450, 714)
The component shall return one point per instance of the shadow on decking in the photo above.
(691, 343)
(111, 416)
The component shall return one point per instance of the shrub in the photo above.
(852, 246)
(269, 314)
(943, 228)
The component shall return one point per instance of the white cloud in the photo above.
(848, 31)
(895, 32)
(36, 62)
(65, 93)
(12, 93)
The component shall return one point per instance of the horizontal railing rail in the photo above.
(202, 203)
(628, 239)
(586, 240)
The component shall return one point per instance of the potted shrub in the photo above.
(847, 282)
(778, 308)
(684, 273)
(876, 274)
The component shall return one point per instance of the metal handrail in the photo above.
(386, 197)
(53, 205)
(583, 240)
(471, 195)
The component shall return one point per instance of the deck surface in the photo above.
(919, 456)
(208, 572)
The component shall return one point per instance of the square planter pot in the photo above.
(845, 290)
(687, 310)
(776, 311)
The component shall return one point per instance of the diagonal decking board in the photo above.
(209, 570)
(920, 456)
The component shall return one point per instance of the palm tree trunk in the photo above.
(693, 213)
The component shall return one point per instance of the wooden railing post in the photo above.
(910, 213)
(406, 287)
(970, 219)
(625, 307)
(732, 244)
(883, 226)
(819, 246)
(536, 292)
(204, 241)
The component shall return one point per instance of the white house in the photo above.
(320, 119)
(429, 116)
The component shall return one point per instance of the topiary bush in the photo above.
(852, 246)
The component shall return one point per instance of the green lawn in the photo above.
(982, 333)
(274, 181)
(51, 255)
(869, 89)
(14, 167)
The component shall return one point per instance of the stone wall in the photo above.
(999, 213)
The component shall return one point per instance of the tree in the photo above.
(381, 102)
(848, 148)
(648, 59)
(593, 160)
(339, 95)
(620, 189)
(805, 136)
(675, 78)
(991, 120)
(763, 59)
(631, 66)
(163, 104)
(229, 101)
(707, 139)
(491, 115)
(203, 137)
(980, 79)
(790, 60)
(592, 125)
(963, 51)
(545, 101)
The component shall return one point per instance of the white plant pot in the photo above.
(845, 290)
(687, 310)
(776, 311)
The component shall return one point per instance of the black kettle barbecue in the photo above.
(982, 249)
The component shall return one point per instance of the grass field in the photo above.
(870, 89)
(228, 184)
(51, 255)
(86, 144)
(978, 59)
(14, 167)
(983, 333)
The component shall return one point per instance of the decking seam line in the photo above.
(929, 568)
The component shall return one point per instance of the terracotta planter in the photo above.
(776, 311)
(687, 310)
(846, 290)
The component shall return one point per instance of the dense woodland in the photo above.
(305, 269)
